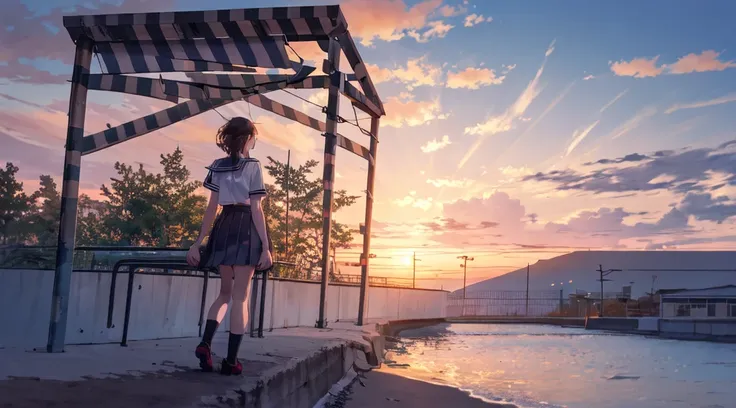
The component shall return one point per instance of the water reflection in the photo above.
(541, 366)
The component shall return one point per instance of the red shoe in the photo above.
(204, 354)
(230, 369)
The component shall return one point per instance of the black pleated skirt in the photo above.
(233, 240)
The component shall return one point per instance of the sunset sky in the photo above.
(515, 131)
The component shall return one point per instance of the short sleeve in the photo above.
(210, 183)
(257, 188)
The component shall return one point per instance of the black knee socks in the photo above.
(233, 344)
(209, 331)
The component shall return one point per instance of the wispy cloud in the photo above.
(702, 104)
(634, 122)
(505, 121)
(549, 108)
(614, 100)
(578, 137)
(434, 144)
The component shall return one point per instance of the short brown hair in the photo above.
(233, 135)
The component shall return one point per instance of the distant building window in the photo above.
(732, 311)
(684, 310)
(711, 310)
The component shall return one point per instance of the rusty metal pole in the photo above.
(331, 68)
(69, 197)
(364, 268)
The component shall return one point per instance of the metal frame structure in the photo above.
(218, 49)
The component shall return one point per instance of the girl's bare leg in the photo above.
(219, 306)
(239, 311)
(214, 317)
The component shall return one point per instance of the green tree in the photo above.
(14, 206)
(152, 209)
(44, 218)
(305, 214)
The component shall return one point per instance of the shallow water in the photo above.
(544, 366)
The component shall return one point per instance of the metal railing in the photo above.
(135, 264)
(104, 259)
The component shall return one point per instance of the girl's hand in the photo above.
(266, 261)
(193, 255)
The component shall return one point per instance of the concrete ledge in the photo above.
(556, 321)
(620, 324)
(288, 368)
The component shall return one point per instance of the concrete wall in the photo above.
(698, 328)
(168, 306)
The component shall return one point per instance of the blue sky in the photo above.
(495, 112)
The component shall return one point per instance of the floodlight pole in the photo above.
(69, 196)
(331, 68)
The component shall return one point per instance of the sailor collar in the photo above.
(226, 164)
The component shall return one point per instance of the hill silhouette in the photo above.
(674, 270)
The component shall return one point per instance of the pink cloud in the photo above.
(386, 20)
(643, 67)
(473, 78)
(703, 62)
(637, 67)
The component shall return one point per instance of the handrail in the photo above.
(180, 264)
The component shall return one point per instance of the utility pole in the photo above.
(603, 279)
(286, 187)
(526, 313)
(464, 265)
(414, 269)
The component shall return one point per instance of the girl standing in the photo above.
(236, 242)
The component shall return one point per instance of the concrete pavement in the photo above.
(289, 367)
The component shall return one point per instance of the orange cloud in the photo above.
(418, 72)
(437, 29)
(379, 74)
(434, 144)
(451, 11)
(703, 62)
(387, 20)
(473, 78)
(408, 112)
(637, 68)
(643, 67)
(475, 19)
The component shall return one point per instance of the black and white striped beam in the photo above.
(359, 68)
(308, 23)
(360, 101)
(131, 85)
(147, 124)
(288, 112)
(139, 56)
(184, 110)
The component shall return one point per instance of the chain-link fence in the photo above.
(507, 303)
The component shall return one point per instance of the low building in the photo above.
(715, 303)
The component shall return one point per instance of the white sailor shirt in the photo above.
(235, 182)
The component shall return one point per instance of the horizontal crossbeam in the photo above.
(309, 23)
(171, 90)
(138, 56)
(131, 85)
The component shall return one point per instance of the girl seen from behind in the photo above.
(238, 242)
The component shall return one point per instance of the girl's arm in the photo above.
(209, 218)
(259, 220)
